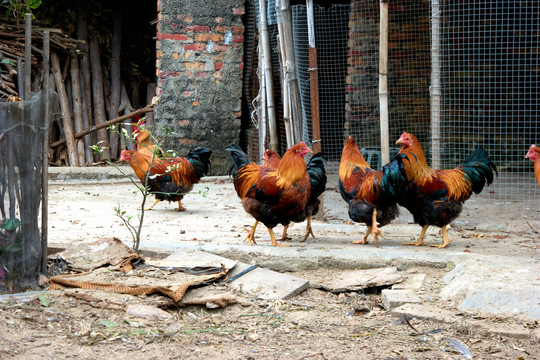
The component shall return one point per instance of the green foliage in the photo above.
(5, 61)
(44, 300)
(18, 8)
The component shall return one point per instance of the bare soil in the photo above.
(316, 324)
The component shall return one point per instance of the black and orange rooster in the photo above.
(371, 195)
(317, 177)
(170, 178)
(272, 196)
(436, 197)
(534, 155)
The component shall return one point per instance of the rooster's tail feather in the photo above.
(239, 157)
(200, 159)
(317, 174)
(479, 169)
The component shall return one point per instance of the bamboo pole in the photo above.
(262, 115)
(383, 81)
(64, 105)
(77, 104)
(148, 108)
(313, 80)
(27, 79)
(45, 149)
(270, 104)
(435, 89)
(292, 80)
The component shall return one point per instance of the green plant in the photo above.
(17, 8)
(10, 242)
(134, 228)
(5, 61)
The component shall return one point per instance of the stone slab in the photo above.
(393, 298)
(266, 284)
(412, 281)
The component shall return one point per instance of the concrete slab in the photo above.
(412, 281)
(422, 311)
(394, 298)
(362, 279)
(267, 284)
(495, 286)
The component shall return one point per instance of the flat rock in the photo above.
(421, 311)
(362, 279)
(266, 284)
(394, 298)
(412, 281)
(495, 286)
(194, 258)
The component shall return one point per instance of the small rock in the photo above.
(393, 298)
(147, 312)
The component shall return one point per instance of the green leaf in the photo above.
(44, 300)
(11, 224)
(108, 323)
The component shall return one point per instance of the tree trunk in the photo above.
(77, 105)
(99, 104)
(64, 105)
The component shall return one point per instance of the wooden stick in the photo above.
(313, 80)
(45, 150)
(64, 105)
(148, 108)
(383, 82)
(77, 104)
(97, 93)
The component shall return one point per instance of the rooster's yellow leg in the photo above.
(180, 207)
(375, 228)
(272, 236)
(251, 234)
(151, 206)
(284, 237)
(446, 240)
(309, 230)
(364, 240)
(420, 240)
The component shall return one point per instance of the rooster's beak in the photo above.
(398, 141)
(526, 156)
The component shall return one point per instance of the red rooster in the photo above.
(436, 197)
(272, 196)
(317, 177)
(169, 178)
(534, 156)
(371, 195)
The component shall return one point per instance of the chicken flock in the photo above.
(286, 189)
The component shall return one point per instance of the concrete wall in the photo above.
(199, 69)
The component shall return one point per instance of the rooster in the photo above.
(317, 177)
(371, 195)
(169, 178)
(436, 197)
(272, 196)
(534, 156)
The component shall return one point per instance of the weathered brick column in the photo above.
(199, 69)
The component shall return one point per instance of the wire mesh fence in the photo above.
(489, 65)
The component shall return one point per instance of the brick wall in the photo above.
(199, 70)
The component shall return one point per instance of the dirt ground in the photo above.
(316, 324)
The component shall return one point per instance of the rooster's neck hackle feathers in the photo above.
(292, 167)
(416, 168)
(351, 158)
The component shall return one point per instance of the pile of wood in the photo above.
(90, 98)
